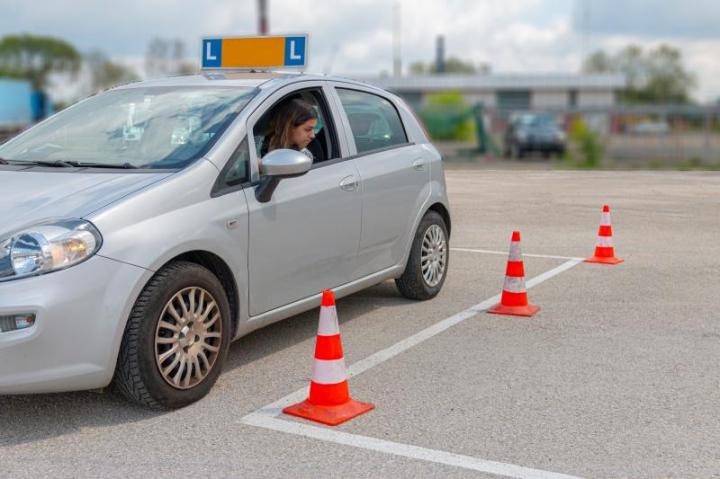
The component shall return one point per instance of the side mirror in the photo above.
(276, 165)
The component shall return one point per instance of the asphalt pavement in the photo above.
(617, 376)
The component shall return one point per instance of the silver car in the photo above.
(141, 232)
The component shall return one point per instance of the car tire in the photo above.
(419, 284)
(516, 152)
(141, 373)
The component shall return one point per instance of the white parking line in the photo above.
(397, 449)
(266, 417)
(487, 251)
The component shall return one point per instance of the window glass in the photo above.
(374, 121)
(322, 147)
(153, 127)
(237, 169)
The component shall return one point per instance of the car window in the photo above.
(237, 170)
(151, 127)
(374, 121)
(323, 147)
(537, 121)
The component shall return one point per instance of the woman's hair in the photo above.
(290, 115)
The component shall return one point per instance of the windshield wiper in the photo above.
(54, 164)
(70, 164)
(59, 164)
(126, 166)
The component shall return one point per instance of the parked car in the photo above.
(534, 132)
(140, 231)
(649, 127)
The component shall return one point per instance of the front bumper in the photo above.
(80, 318)
(543, 146)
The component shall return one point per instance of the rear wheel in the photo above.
(176, 338)
(429, 257)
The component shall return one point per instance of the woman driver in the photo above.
(293, 126)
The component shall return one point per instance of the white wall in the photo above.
(471, 98)
(540, 99)
(597, 98)
(549, 99)
(486, 98)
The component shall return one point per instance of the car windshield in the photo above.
(539, 121)
(153, 127)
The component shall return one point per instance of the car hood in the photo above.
(32, 195)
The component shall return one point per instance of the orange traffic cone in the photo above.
(514, 298)
(329, 401)
(605, 250)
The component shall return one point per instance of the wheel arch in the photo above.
(224, 274)
(443, 212)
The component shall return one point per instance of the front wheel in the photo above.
(428, 262)
(176, 338)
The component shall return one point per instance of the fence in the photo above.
(655, 135)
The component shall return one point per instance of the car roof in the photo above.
(263, 80)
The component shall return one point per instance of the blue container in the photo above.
(16, 109)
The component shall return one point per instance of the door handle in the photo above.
(419, 164)
(349, 183)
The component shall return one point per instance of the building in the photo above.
(593, 96)
(513, 92)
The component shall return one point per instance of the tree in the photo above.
(453, 65)
(106, 74)
(35, 57)
(657, 76)
(167, 57)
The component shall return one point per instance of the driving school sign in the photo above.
(254, 52)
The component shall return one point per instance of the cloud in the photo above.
(356, 37)
(667, 19)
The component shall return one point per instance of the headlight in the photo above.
(522, 136)
(560, 136)
(47, 247)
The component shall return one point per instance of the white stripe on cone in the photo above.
(329, 371)
(328, 325)
(605, 221)
(514, 285)
(605, 241)
(515, 253)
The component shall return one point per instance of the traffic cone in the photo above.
(514, 298)
(605, 250)
(329, 401)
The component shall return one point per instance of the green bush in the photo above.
(586, 150)
(448, 117)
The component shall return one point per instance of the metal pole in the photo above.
(397, 65)
(707, 153)
(440, 55)
(262, 17)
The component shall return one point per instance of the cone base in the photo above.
(527, 310)
(602, 260)
(329, 415)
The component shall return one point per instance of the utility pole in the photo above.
(262, 17)
(440, 55)
(584, 15)
(397, 64)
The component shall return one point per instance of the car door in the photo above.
(305, 238)
(394, 174)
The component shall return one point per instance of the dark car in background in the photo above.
(533, 132)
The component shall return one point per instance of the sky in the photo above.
(354, 37)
